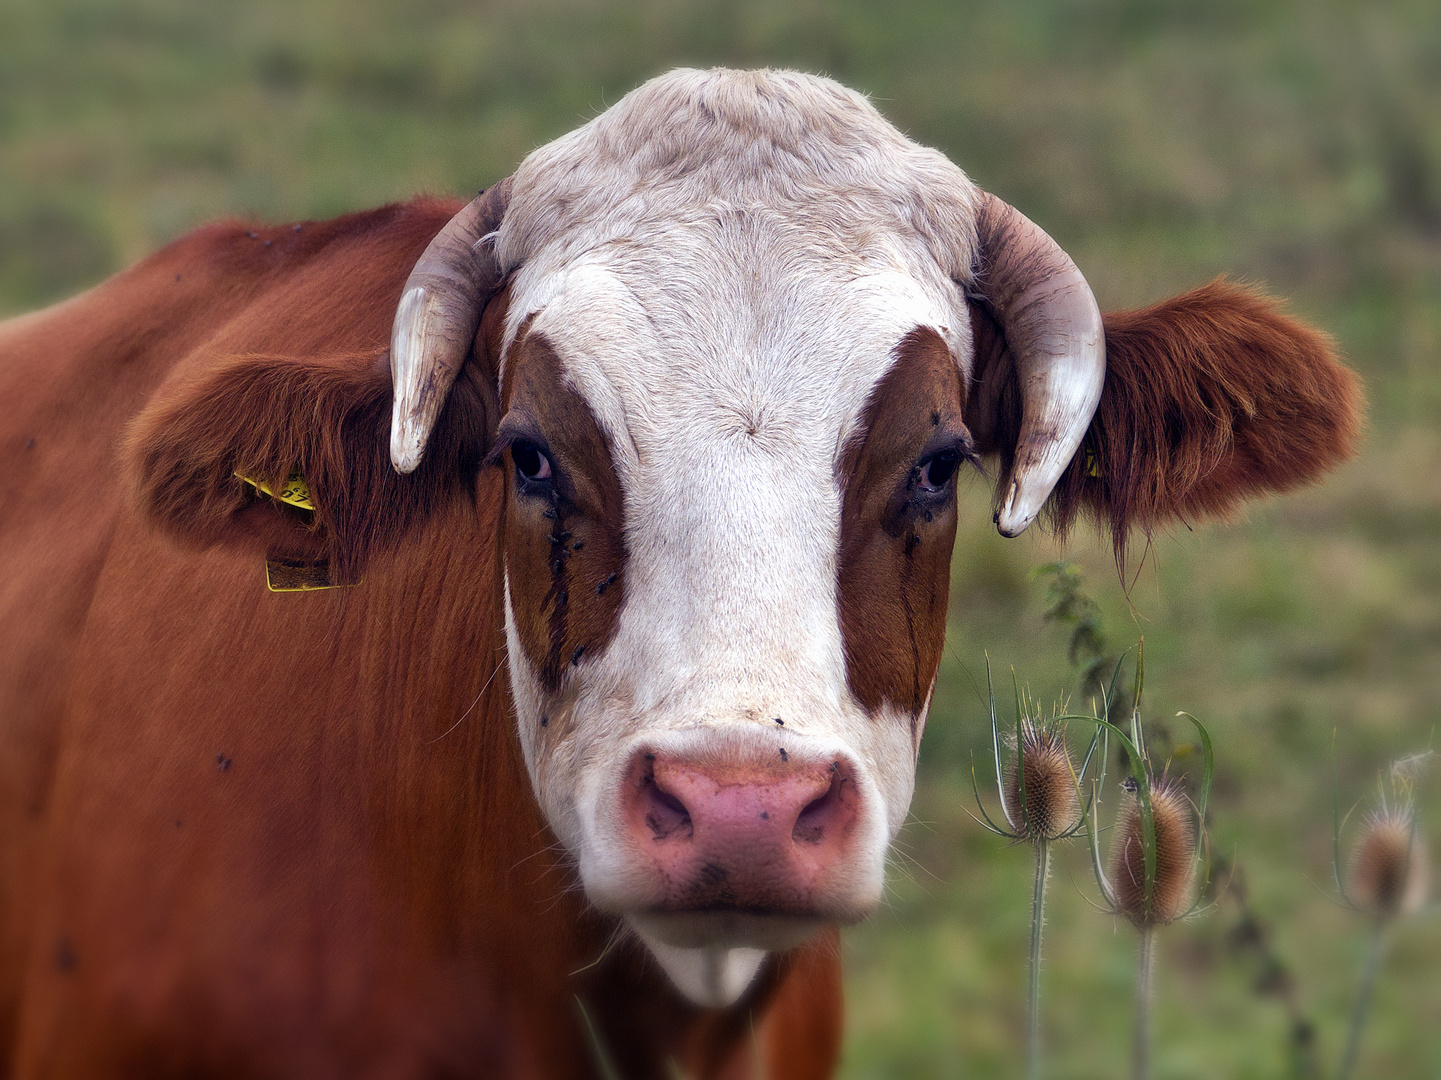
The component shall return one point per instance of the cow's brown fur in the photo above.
(1211, 398)
(895, 551)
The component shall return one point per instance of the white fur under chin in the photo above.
(713, 977)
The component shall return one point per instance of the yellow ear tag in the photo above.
(294, 492)
(295, 575)
(298, 575)
(1093, 467)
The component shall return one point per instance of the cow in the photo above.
(611, 516)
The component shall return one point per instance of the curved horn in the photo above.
(436, 320)
(1053, 328)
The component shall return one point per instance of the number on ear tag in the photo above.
(295, 575)
(294, 492)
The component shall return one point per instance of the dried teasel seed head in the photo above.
(1388, 866)
(1175, 856)
(1052, 805)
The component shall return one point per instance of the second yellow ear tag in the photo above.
(294, 492)
(289, 574)
(298, 575)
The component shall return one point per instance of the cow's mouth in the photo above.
(712, 956)
(726, 928)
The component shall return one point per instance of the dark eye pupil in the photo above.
(940, 469)
(528, 460)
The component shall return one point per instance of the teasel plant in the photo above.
(1386, 877)
(1159, 843)
(1039, 790)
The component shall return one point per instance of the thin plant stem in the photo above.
(1141, 1052)
(1038, 920)
(602, 1059)
(1363, 997)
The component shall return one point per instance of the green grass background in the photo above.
(1290, 143)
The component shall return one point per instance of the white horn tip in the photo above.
(407, 350)
(405, 449)
(1018, 511)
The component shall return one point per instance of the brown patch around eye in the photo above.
(895, 548)
(564, 552)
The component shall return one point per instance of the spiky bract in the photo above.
(1052, 806)
(1388, 866)
(1175, 856)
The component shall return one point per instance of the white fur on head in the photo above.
(725, 263)
(688, 141)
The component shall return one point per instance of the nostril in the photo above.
(666, 815)
(819, 814)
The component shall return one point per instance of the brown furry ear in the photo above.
(1210, 398)
(262, 416)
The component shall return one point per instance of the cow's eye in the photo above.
(531, 464)
(937, 470)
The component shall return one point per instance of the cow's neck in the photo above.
(486, 891)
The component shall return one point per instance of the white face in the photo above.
(715, 765)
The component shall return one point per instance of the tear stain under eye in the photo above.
(557, 598)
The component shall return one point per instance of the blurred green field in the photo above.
(1295, 144)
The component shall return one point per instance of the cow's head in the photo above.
(734, 324)
(731, 344)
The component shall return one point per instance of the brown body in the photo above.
(246, 833)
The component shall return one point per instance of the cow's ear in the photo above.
(1210, 398)
(327, 417)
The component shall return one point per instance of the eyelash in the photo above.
(949, 461)
(533, 469)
